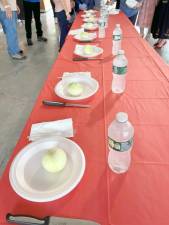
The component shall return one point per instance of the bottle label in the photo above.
(120, 146)
(120, 70)
(116, 37)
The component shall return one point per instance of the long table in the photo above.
(138, 197)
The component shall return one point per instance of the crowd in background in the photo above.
(150, 14)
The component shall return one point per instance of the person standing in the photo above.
(160, 24)
(33, 6)
(62, 12)
(8, 20)
(145, 16)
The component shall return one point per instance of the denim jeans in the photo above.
(29, 9)
(10, 30)
(63, 25)
(133, 19)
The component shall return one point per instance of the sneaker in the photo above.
(18, 56)
(29, 42)
(42, 39)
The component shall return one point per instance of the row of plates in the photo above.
(27, 176)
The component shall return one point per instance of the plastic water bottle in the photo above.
(101, 28)
(119, 71)
(116, 39)
(120, 142)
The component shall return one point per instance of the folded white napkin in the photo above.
(76, 31)
(75, 74)
(62, 128)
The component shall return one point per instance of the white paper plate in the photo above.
(87, 15)
(88, 37)
(90, 26)
(89, 84)
(90, 20)
(79, 50)
(32, 182)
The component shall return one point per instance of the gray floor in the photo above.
(20, 82)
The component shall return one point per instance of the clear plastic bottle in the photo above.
(120, 142)
(116, 39)
(119, 70)
(101, 28)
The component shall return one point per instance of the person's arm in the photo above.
(7, 8)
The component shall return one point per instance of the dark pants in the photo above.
(64, 26)
(118, 4)
(133, 19)
(29, 8)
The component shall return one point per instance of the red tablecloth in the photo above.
(138, 197)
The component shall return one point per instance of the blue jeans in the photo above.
(63, 25)
(133, 19)
(10, 30)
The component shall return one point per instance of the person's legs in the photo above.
(64, 26)
(9, 27)
(118, 4)
(28, 18)
(133, 19)
(36, 13)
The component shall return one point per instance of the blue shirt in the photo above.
(127, 11)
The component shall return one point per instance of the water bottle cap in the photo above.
(118, 25)
(121, 52)
(122, 117)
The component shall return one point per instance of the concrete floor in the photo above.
(21, 81)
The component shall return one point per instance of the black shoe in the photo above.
(42, 39)
(29, 42)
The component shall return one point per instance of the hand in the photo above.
(8, 12)
(68, 17)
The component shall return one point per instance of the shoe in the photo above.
(160, 43)
(18, 56)
(29, 42)
(42, 39)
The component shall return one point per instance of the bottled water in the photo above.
(116, 39)
(120, 142)
(101, 28)
(104, 14)
(119, 71)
